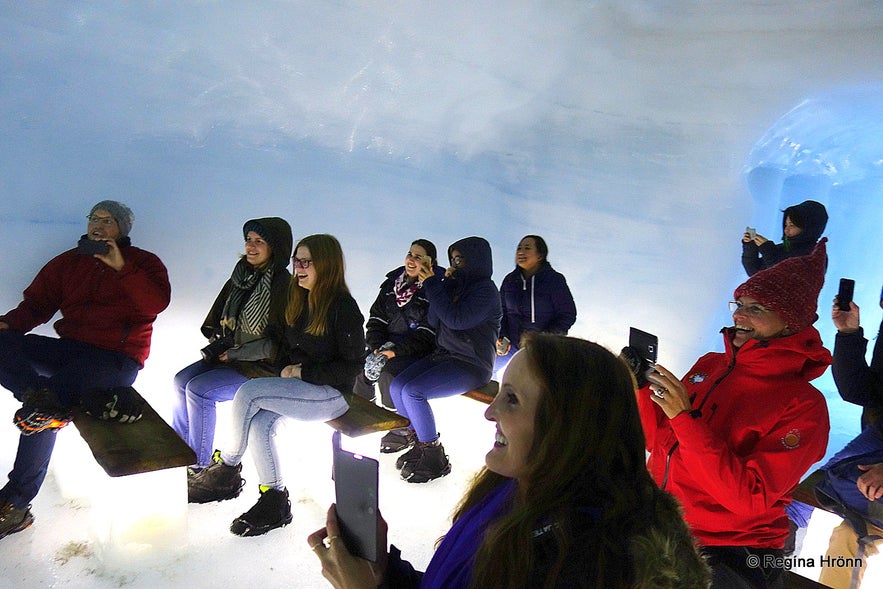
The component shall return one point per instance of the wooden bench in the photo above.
(484, 394)
(364, 417)
(129, 448)
(151, 444)
(804, 492)
(795, 581)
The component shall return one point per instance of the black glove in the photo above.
(122, 404)
(636, 363)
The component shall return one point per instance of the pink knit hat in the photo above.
(790, 288)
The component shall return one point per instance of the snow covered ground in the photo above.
(639, 137)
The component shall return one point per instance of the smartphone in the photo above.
(844, 295)
(645, 343)
(751, 231)
(355, 488)
(89, 247)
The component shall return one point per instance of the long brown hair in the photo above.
(327, 257)
(588, 451)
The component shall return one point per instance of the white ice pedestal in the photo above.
(132, 517)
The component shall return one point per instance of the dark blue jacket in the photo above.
(406, 326)
(542, 302)
(465, 308)
(856, 380)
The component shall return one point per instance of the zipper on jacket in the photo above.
(696, 414)
(668, 465)
(533, 308)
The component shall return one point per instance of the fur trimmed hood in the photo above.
(665, 556)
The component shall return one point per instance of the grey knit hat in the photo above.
(121, 213)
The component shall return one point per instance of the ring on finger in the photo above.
(659, 391)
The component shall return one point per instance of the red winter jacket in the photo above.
(99, 306)
(756, 427)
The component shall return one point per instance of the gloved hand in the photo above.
(374, 363)
(122, 404)
(636, 363)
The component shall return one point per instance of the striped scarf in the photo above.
(254, 288)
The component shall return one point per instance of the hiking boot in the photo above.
(40, 411)
(14, 520)
(432, 464)
(273, 510)
(216, 482)
(397, 440)
(409, 457)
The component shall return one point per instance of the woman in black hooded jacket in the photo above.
(244, 327)
(802, 227)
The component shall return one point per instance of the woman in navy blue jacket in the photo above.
(535, 297)
(464, 310)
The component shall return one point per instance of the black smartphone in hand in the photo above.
(355, 488)
(90, 247)
(645, 343)
(844, 295)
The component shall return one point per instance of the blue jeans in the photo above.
(427, 379)
(200, 386)
(69, 369)
(257, 408)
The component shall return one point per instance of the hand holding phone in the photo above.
(90, 247)
(646, 344)
(844, 295)
(355, 487)
(640, 354)
(752, 233)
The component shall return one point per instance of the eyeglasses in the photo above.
(457, 260)
(302, 263)
(96, 220)
(411, 256)
(754, 310)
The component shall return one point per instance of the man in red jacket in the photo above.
(109, 298)
(733, 437)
